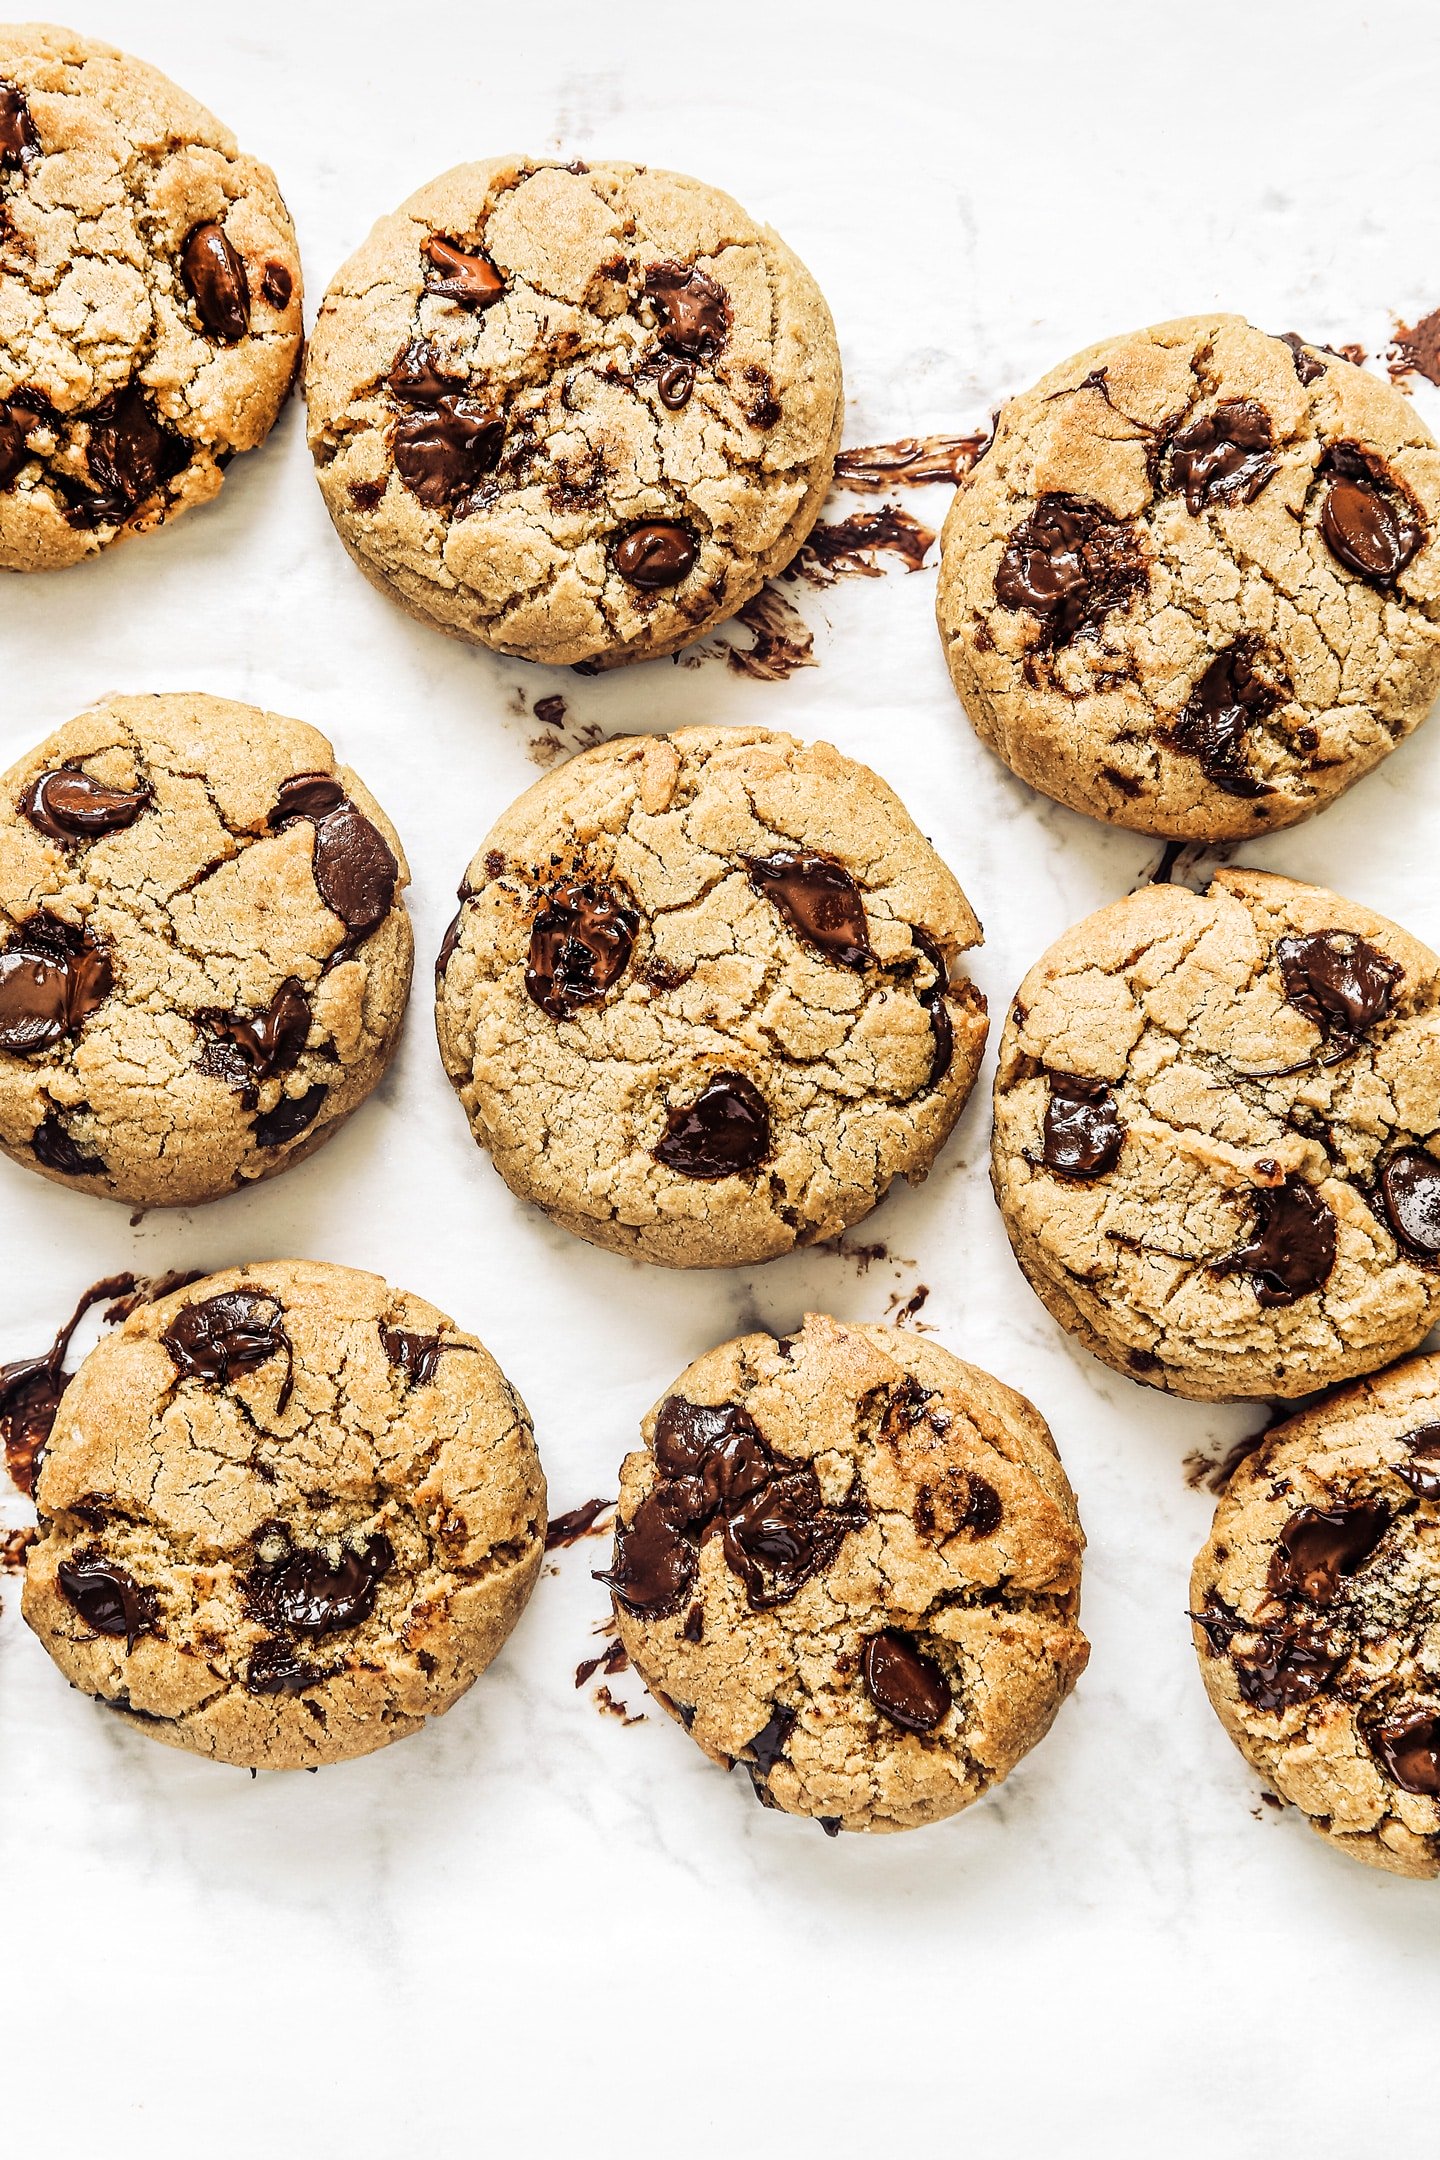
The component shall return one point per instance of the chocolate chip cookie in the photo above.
(1315, 1608)
(149, 298)
(204, 952)
(851, 1563)
(578, 413)
(1193, 586)
(287, 1514)
(702, 999)
(1217, 1136)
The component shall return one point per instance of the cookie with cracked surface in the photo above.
(702, 1002)
(287, 1514)
(574, 413)
(1193, 586)
(1217, 1136)
(1315, 1604)
(150, 295)
(851, 1563)
(204, 951)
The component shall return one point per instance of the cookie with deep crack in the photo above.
(702, 1001)
(1217, 1136)
(204, 951)
(576, 413)
(287, 1514)
(150, 295)
(1316, 1606)
(1193, 585)
(851, 1563)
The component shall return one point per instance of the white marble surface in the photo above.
(529, 1922)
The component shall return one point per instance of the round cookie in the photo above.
(150, 296)
(204, 953)
(287, 1514)
(576, 413)
(701, 1000)
(1193, 585)
(851, 1563)
(1316, 1604)
(1217, 1136)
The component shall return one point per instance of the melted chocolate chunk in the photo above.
(654, 1567)
(1422, 1473)
(1227, 699)
(19, 143)
(15, 425)
(218, 1338)
(580, 946)
(277, 285)
(130, 455)
(783, 1534)
(1408, 1751)
(1410, 1196)
(51, 979)
(58, 1150)
(1369, 522)
(1069, 563)
(1340, 982)
(942, 1027)
(655, 555)
(820, 901)
(418, 376)
(451, 273)
(355, 873)
(674, 383)
(414, 1355)
(905, 1685)
(444, 451)
(31, 1388)
(298, 1587)
(1083, 1134)
(694, 311)
(1318, 1547)
(1220, 1624)
(107, 1599)
(215, 277)
(291, 1116)
(277, 1668)
(243, 1052)
(983, 1511)
(769, 1744)
(449, 942)
(1287, 1665)
(307, 795)
(724, 1132)
(73, 805)
(1223, 458)
(1308, 365)
(1293, 1249)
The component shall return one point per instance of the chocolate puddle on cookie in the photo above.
(1070, 564)
(1082, 1133)
(580, 946)
(1293, 1248)
(53, 976)
(70, 804)
(217, 1339)
(1230, 697)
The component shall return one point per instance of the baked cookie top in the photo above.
(702, 999)
(204, 951)
(1193, 585)
(573, 412)
(1217, 1136)
(1316, 1604)
(149, 298)
(287, 1513)
(851, 1563)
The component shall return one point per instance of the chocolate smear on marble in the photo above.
(848, 547)
(820, 901)
(15, 1550)
(780, 643)
(1416, 350)
(31, 1388)
(611, 1660)
(576, 1523)
(1293, 1247)
(906, 1686)
(68, 805)
(914, 461)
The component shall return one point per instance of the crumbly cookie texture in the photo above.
(1193, 585)
(577, 413)
(287, 1514)
(150, 298)
(1215, 1140)
(1316, 1605)
(851, 1563)
(204, 951)
(701, 1001)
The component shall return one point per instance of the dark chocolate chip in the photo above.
(1227, 699)
(656, 554)
(215, 276)
(19, 143)
(1220, 1624)
(782, 1534)
(1293, 1249)
(355, 872)
(694, 311)
(1287, 1665)
(301, 1588)
(654, 1567)
(1369, 522)
(449, 942)
(416, 1356)
(1422, 1472)
(820, 901)
(769, 1744)
(1070, 563)
(1410, 1196)
(59, 1150)
(73, 805)
(444, 451)
(724, 1132)
(418, 376)
(1319, 1546)
(277, 1668)
(1225, 457)
(1308, 364)
(243, 1051)
(130, 454)
(942, 1027)
(291, 1116)
(107, 1598)
(1083, 1134)
(1408, 1751)
(306, 795)
(237, 1331)
(674, 383)
(694, 1628)
(277, 285)
(580, 946)
(16, 423)
(51, 979)
(983, 1510)
(452, 273)
(905, 1685)
(1339, 981)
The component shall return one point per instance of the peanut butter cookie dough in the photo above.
(702, 1000)
(1217, 1136)
(149, 298)
(1193, 586)
(577, 413)
(204, 952)
(287, 1514)
(851, 1563)
(1316, 1604)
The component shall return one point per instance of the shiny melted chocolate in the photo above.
(820, 901)
(1293, 1249)
(580, 946)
